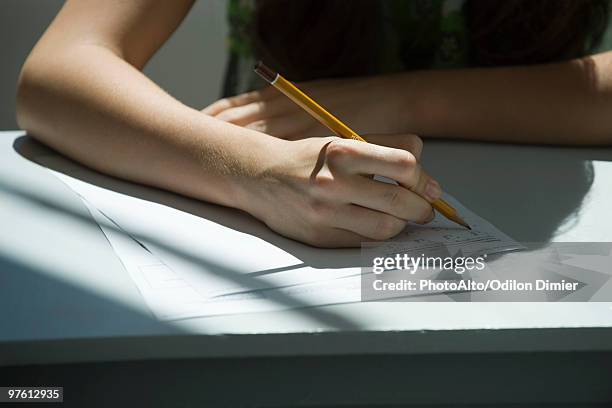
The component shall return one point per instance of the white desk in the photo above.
(65, 297)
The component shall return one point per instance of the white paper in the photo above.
(210, 260)
(169, 296)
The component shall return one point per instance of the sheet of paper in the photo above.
(483, 238)
(220, 250)
(196, 259)
(169, 296)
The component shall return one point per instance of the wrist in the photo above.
(227, 162)
(253, 188)
(422, 104)
(386, 95)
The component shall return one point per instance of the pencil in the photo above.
(335, 125)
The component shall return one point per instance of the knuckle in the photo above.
(229, 115)
(387, 227)
(228, 103)
(259, 107)
(394, 199)
(338, 150)
(324, 183)
(242, 98)
(406, 160)
(223, 102)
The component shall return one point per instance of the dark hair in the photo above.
(309, 39)
(516, 32)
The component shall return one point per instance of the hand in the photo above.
(367, 105)
(319, 190)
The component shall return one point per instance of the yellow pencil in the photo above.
(335, 125)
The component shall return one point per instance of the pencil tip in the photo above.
(460, 221)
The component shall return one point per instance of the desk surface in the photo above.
(65, 296)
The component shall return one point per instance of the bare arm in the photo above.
(81, 91)
(563, 103)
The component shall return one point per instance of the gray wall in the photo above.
(190, 65)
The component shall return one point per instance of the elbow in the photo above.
(26, 95)
(36, 98)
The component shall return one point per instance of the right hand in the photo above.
(320, 191)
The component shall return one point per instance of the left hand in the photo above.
(366, 105)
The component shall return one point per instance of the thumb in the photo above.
(427, 187)
(417, 179)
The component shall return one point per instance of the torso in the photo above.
(420, 34)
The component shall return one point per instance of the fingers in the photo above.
(426, 185)
(276, 116)
(257, 110)
(240, 100)
(334, 204)
(390, 199)
(365, 159)
(368, 223)
(267, 111)
(409, 142)
(293, 126)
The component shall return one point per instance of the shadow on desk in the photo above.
(228, 217)
(527, 191)
(39, 306)
(237, 220)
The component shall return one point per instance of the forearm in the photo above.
(562, 103)
(89, 104)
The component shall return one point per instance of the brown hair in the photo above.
(516, 32)
(309, 39)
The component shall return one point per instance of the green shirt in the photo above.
(418, 34)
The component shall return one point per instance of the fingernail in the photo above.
(433, 190)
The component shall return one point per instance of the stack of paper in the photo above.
(191, 259)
